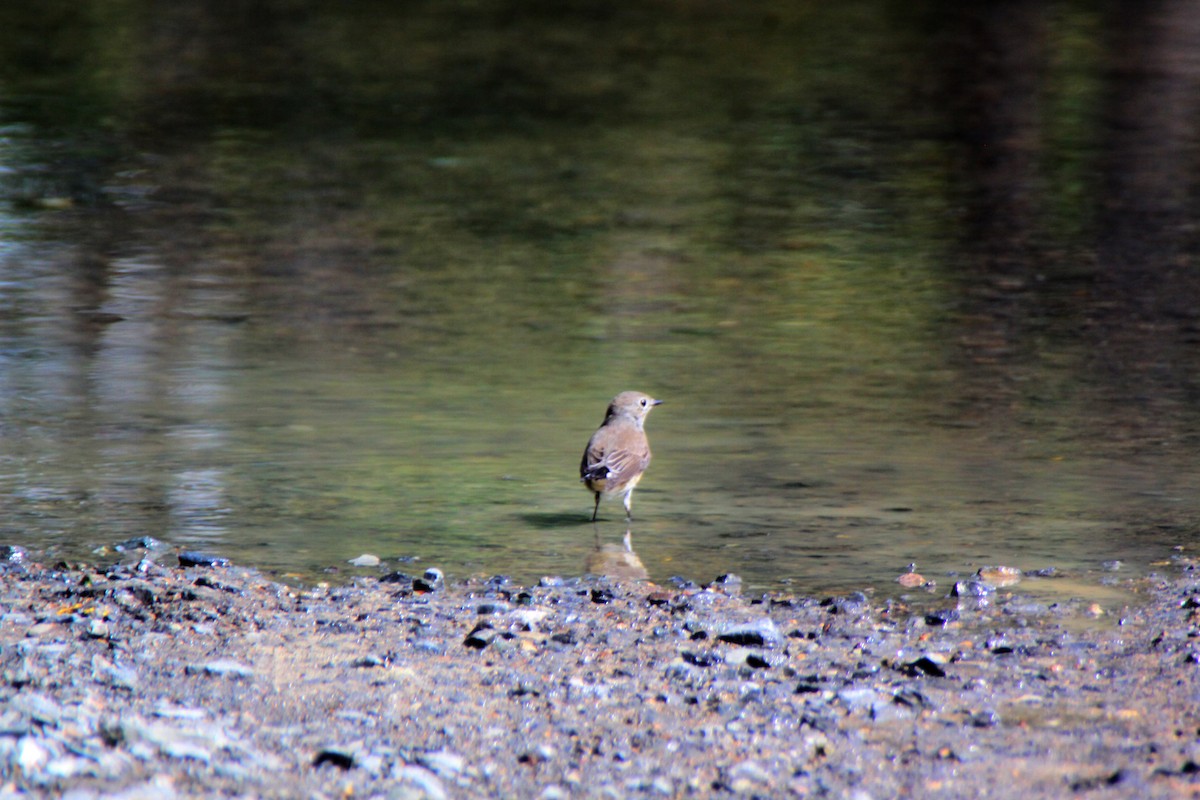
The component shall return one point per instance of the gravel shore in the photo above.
(142, 680)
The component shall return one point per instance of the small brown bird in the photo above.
(618, 452)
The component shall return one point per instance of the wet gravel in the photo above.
(202, 678)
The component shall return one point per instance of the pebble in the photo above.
(365, 560)
(933, 664)
(853, 604)
(426, 783)
(529, 617)
(430, 645)
(442, 762)
(43, 629)
(334, 757)
(983, 719)
(198, 741)
(602, 595)
(88, 717)
(194, 558)
(140, 543)
(859, 699)
(480, 636)
(117, 675)
(225, 668)
(1021, 607)
(999, 577)
(580, 688)
(762, 632)
(747, 776)
(729, 584)
(972, 588)
(430, 581)
(490, 607)
(700, 659)
(743, 656)
(663, 786)
(369, 660)
(13, 554)
(370, 763)
(38, 707)
(682, 671)
(942, 617)
(168, 711)
(13, 723)
(31, 755)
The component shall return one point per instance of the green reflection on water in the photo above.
(378, 274)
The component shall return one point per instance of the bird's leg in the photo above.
(596, 509)
(629, 506)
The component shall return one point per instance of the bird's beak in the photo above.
(658, 402)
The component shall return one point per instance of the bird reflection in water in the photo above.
(616, 560)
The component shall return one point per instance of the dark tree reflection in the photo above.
(1149, 160)
(1124, 283)
(1145, 307)
(989, 62)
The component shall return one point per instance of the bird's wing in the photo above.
(593, 467)
(614, 466)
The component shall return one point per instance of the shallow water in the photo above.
(308, 283)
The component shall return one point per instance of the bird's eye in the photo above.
(643, 401)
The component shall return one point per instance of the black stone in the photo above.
(193, 558)
(602, 595)
(941, 617)
(761, 633)
(13, 554)
(430, 581)
(340, 760)
(139, 543)
(700, 659)
(480, 636)
(971, 589)
(925, 665)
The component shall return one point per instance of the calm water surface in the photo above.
(312, 282)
